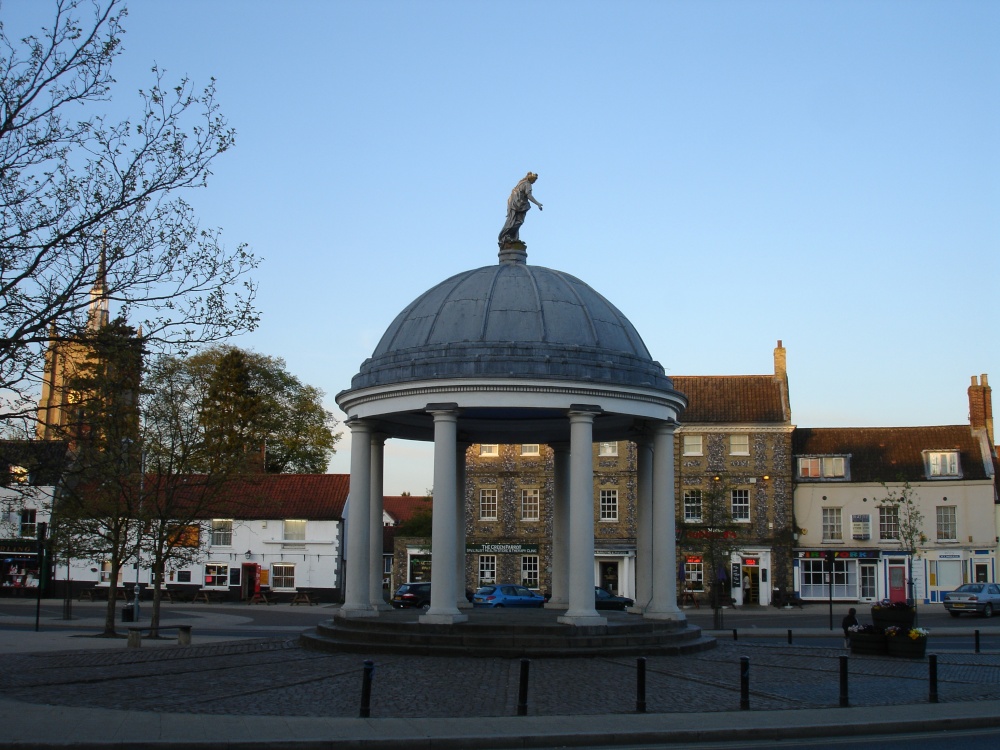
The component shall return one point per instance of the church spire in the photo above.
(97, 316)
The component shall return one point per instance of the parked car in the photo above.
(417, 595)
(982, 598)
(506, 595)
(604, 599)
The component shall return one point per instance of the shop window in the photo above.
(529, 571)
(487, 505)
(487, 569)
(183, 576)
(28, 526)
(741, 505)
(607, 449)
(222, 532)
(692, 445)
(529, 505)
(282, 576)
(694, 574)
(609, 505)
(216, 576)
(692, 506)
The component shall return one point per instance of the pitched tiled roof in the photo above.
(732, 398)
(402, 507)
(309, 497)
(887, 454)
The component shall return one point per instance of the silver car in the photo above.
(983, 598)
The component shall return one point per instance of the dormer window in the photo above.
(823, 467)
(942, 464)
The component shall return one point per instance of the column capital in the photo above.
(356, 424)
(449, 407)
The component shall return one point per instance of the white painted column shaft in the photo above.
(664, 584)
(357, 595)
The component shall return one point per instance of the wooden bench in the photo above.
(304, 597)
(263, 597)
(207, 596)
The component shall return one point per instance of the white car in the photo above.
(982, 598)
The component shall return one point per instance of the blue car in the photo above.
(506, 595)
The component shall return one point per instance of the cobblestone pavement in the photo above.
(277, 677)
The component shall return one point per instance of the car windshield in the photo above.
(971, 588)
(486, 590)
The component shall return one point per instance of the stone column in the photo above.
(462, 602)
(357, 594)
(644, 524)
(664, 584)
(558, 579)
(443, 609)
(376, 523)
(581, 519)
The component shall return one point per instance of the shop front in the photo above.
(751, 576)
(19, 573)
(946, 570)
(844, 575)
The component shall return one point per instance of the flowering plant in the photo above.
(867, 629)
(886, 604)
(913, 633)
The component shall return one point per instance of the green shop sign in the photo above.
(503, 549)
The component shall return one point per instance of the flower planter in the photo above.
(867, 643)
(887, 616)
(902, 645)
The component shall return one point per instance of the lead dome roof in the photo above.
(512, 320)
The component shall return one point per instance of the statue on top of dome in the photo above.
(517, 206)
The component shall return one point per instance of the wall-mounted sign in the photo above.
(861, 526)
(515, 548)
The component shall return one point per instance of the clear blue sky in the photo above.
(727, 173)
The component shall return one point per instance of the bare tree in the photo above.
(82, 195)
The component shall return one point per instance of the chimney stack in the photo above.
(780, 361)
(981, 406)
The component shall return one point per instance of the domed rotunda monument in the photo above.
(514, 353)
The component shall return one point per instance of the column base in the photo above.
(583, 619)
(443, 618)
(382, 606)
(463, 604)
(355, 612)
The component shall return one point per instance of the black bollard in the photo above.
(735, 636)
(844, 703)
(522, 689)
(744, 683)
(789, 636)
(640, 685)
(366, 690)
(977, 641)
(932, 676)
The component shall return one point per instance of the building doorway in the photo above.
(751, 571)
(982, 573)
(868, 580)
(608, 579)
(249, 581)
(897, 581)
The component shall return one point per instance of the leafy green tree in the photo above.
(82, 195)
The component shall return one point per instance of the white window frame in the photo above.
(739, 444)
(212, 569)
(531, 504)
(692, 445)
(609, 506)
(488, 504)
(530, 449)
(294, 533)
(693, 506)
(888, 523)
(694, 573)
(739, 500)
(487, 569)
(489, 449)
(947, 523)
(943, 464)
(222, 532)
(822, 467)
(529, 571)
(833, 524)
(29, 523)
(607, 449)
(280, 581)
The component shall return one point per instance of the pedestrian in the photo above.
(850, 619)
(746, 588)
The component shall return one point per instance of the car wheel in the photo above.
(954, 614)
(988, 610)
